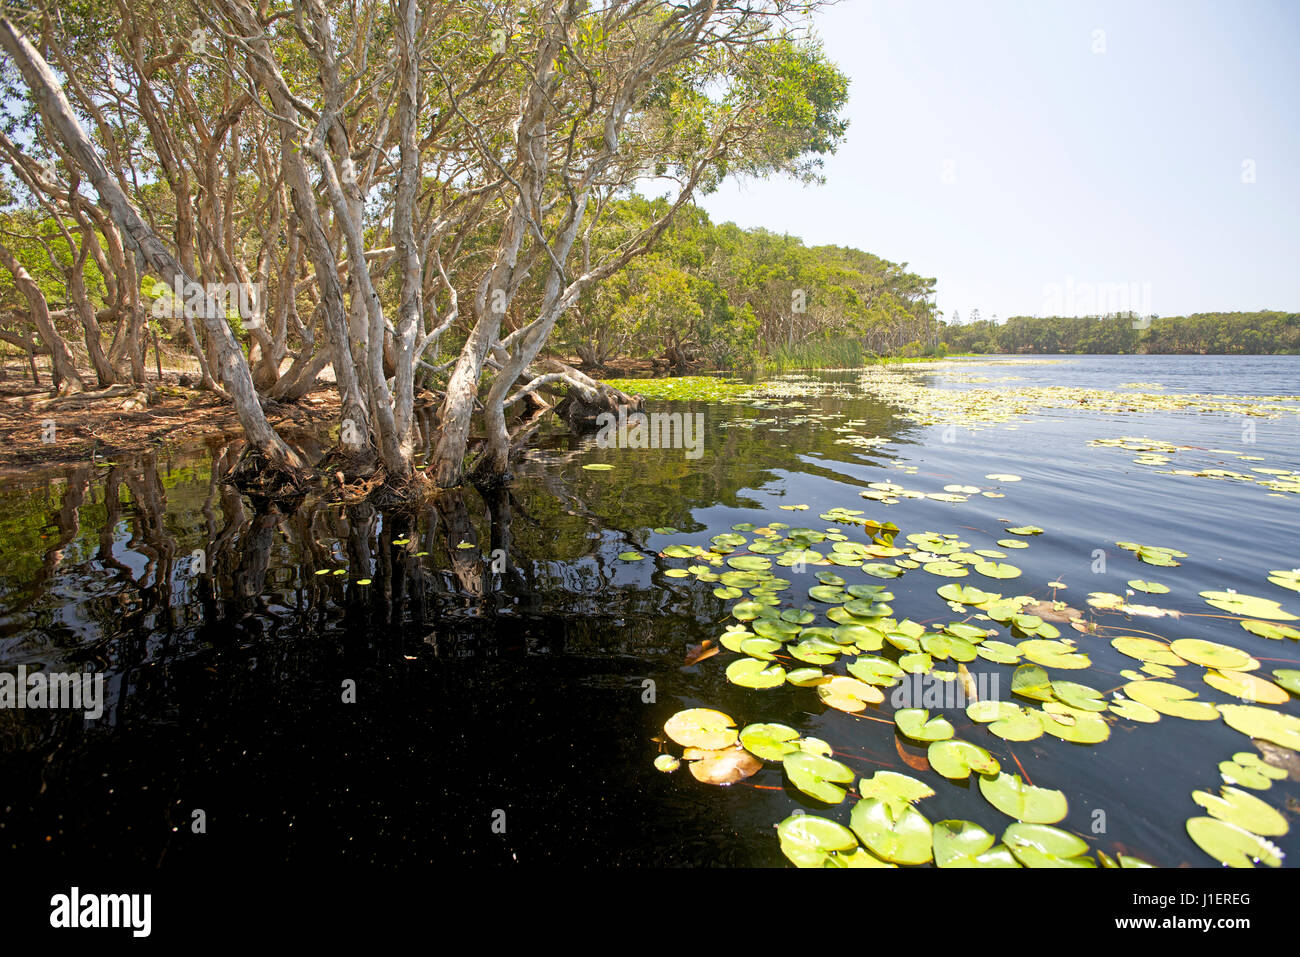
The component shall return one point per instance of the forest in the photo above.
(1209, 333)
(317, 186)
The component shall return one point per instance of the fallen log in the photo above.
(586, 399)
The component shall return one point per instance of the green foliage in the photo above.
(1216, 333)
(740, 298)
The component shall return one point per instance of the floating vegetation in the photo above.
(1157, 452)
(846, 644)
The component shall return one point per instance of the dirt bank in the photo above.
(37, 430)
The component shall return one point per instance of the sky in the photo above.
(1062, 158)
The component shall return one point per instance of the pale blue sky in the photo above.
(1068, 166)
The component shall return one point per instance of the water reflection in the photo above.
(501, 656)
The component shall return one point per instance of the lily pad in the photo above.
(1041, 845)
(667, 763)
(849, 694)
(1053, 654)
(1268, 629)
(966, 844)
(1247, 687)
(753, 673)
(1153, 588)
(903, 837)
(1288, 678)
(1024, 802)
(1008, 721)
(1244, 810)
(1211, 654)
(1147, 649)
(1257, 722)
(917, 724)
(1170, 699)
(956, 759)
(1232, 845)
(702, 728)
(818, 776)
(894, 789)
(997, 570)
(725, 767)
(1248, 606)
(772, 742)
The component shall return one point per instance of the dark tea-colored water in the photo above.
(483, 682)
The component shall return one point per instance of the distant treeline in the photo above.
(728, 297)
(1210, 333)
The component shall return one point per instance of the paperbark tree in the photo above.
(382, 161)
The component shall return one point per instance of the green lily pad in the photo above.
(875, 670)
(1008, 721)
(667, 763)
(880, 570)
(945, 646)
(1247, 687)
(806, 677)
(849, 694)
(1257, 722)
(1211, 654)
(1286, 578)
(1232, 845)
(753, 673)
(956, 759)
(1053, 654)
(1031, 681)
(1024, 802)
(997, 570)
(966, 594)
(903, 837)
(1244, 810)
(1172, 700)
(1041, 845)
(761, 648)
(772, 742)
(894, 789)
(1073, 724)
(917, 724)
(1251, 771)
(702, 728)
(966, 844)
(812, 841)
(1135, 710)
(597, 467)
(1152, 588)
(1288, 678)
(999, 652)
(1248, 606)
(1079, 696)
(1268, 629)
(818, 776)
(1147, 649)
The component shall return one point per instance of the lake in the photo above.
(487, 682)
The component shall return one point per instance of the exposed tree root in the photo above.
(260, 478)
